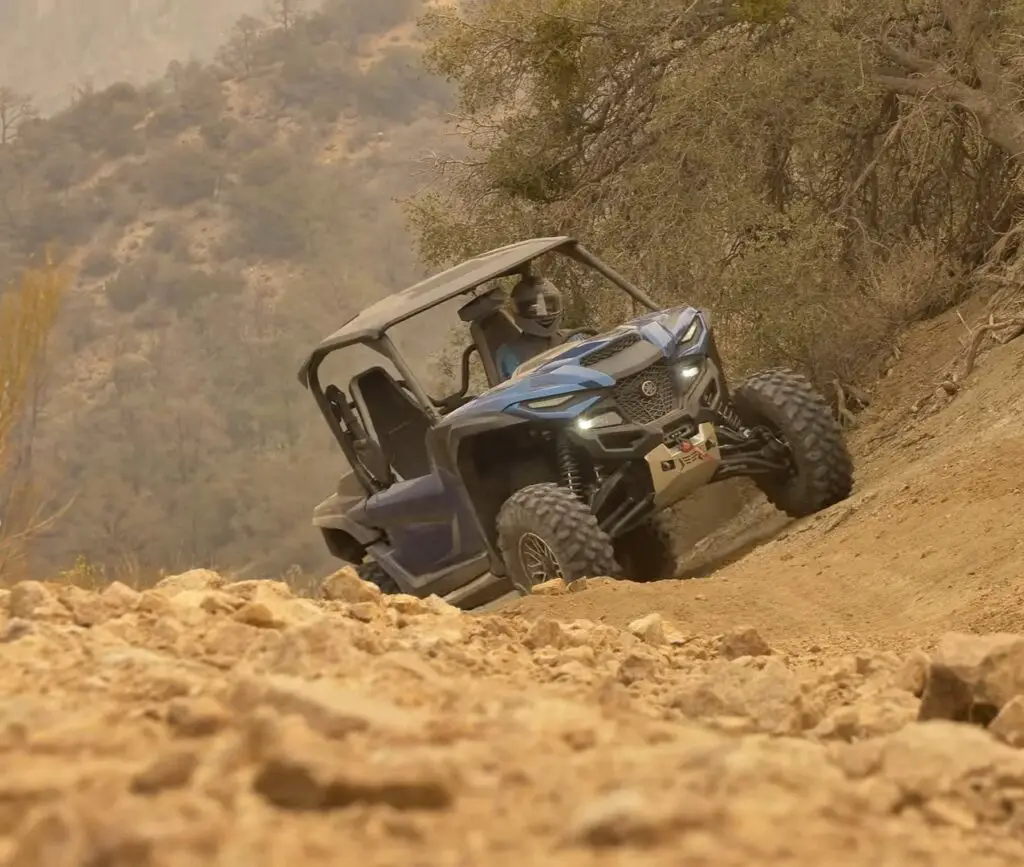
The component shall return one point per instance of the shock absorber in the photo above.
(732, 418)
(572, 475)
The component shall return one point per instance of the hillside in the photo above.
(221, 218)
(210, 721)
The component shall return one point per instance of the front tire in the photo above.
(787, 404)
(372, 572)
(647, 552)
(545, 532)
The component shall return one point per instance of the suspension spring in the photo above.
(572, 475)
(732, 418)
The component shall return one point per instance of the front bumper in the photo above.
(679, 470)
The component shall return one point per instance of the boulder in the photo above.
(971, 677)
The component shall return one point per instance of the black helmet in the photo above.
(537, 306)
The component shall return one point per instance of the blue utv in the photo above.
(567, 467)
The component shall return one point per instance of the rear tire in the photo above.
(789, 405)
(546, 516)
(647, 552)
(372, 572)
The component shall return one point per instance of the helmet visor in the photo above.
(543, 304)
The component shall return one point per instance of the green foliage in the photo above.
(49, 220)
(320, 75)
(99, 263)
(181, 175)
(167, 237)
(246, 230)
(217, 134)
(182, 288)
(396, 88)
(167, 121)
(351, 19)
(750, 163)
(131, 287)
(199, 94)
(65, 165)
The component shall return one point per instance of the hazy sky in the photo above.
(49, 46)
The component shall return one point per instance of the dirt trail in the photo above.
(207, 722)
(933, 538)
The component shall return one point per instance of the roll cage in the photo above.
(404, 402)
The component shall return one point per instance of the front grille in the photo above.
(610, 350)
(642, 408)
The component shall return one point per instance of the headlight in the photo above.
(604, 419)
(688, 371)
(691, 332)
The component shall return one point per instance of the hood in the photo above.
(665, 329)
(559, 370)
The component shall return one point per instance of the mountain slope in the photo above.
(222, 218)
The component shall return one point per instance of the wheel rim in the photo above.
(538, 559)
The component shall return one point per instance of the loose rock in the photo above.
(971, 677)
(743, 641)
(346, 586)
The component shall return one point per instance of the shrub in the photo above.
(181, 288)
(51, 221)
(104, 122)
(270, 220)
(131, 287)
(217, 133)
(181, 175)
(99, 263)
(167, 121)
(396, 88)
(201, 97)
(168, 238)
(64, 164)
(266, 166)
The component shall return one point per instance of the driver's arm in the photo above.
(506, 360)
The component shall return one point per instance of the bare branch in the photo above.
(15, 109)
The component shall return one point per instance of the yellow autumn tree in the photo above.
(28, 311)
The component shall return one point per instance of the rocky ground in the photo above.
(208, 722)
(849, 693)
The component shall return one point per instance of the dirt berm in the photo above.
(805, 705)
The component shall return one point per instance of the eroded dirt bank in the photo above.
(805, 704)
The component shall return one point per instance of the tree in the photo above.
(238, 54)
(286, 13)
(971, 65)
(814, 172)
(15, 109)
(28, 311)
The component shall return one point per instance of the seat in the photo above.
(367, 452)
(490, 333)
(400, 425)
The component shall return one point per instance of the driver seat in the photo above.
(400, 425)
(490, 333)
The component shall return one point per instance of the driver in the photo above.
(537, 310)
